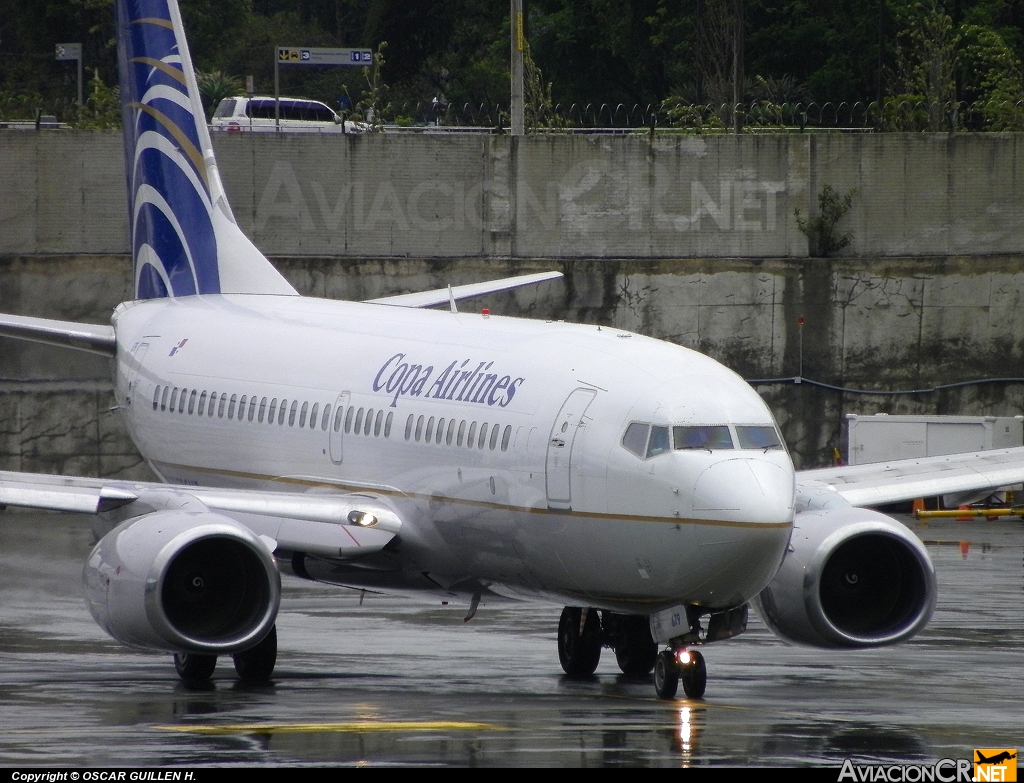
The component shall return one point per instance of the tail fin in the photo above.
(184, 238)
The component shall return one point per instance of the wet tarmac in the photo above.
(392, 681)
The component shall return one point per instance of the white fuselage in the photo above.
(499, 441)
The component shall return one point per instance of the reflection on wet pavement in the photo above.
(405, 681)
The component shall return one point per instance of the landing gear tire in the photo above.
(666, 675)
(193, 667)
(579, 649)
(257, 663)
(635, 649)
(695, 676)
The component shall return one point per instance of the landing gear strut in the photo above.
(579, 641)
(683, 665)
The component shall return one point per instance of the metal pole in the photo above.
(518, 47)
(81, 98)
(277, 88)
(738, 76)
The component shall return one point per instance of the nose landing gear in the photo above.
(678, 665)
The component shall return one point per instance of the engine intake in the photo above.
(851, 578)
(183, 582)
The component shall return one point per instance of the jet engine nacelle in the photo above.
(852, 577)
(181, 581)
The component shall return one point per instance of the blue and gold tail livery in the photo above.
(184, 238)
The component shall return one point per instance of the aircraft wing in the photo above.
(328, 525)
(95, 338)
(892, 482)
(441, 296)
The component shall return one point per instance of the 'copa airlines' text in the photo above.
(460, 382)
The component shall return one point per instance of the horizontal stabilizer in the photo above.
(899, 480)
(94, 338)
(470, 291)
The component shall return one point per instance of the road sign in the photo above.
(288, 55)
(69, 51)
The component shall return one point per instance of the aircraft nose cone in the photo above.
(744, 490)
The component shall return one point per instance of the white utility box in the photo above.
(881, 437)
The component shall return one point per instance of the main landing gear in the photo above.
(583, 632)
(255, 665)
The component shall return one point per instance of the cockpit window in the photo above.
(758, 438)
(635, 439)
(711, 437)
(658, 444)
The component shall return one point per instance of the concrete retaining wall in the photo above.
(554, 196)
(882, 324)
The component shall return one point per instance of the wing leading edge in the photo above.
(900, 480)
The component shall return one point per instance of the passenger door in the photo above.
(558, 465)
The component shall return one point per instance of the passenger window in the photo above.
(658, 444)
(359, 421)
(241, 407)
(429, 436)
(462, 431)
(252, 408)
(192, 401)
(758, 438)
(408, 426)
(213, 404)
(711, 438)
(262, 411)
(202, 404)
(181, 400)
(377, 423)
(483, 436)
(419, 428)
(635, 439)
(369, 421)
(348, 419)
(302, 414)
(156, 398)
(337, 418)
(387, 424)
(291, 413)
(231, 406)
(472, 435)
(506, 437)
(272, 412)
(495, 431)
(440, 431)
(163, 398)
(451, 432)
(326, 417)
(220, 408)
(312, 415)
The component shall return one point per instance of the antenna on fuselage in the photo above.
(451, 299)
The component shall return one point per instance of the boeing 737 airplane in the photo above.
(384, 445)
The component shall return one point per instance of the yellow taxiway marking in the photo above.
(363, 726)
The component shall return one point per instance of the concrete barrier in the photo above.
(555, 196)
(874, 324)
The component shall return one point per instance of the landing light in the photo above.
(683, 657)
(362, 519)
